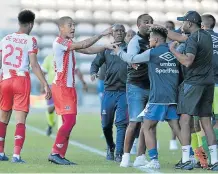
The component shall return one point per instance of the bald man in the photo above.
(129, 35)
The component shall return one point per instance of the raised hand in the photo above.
(107, 31)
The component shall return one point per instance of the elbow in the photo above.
(188, 63)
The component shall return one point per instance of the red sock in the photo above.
(61, 142)
(19, 138)
(3, 128)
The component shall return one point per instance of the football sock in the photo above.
(19, 138)
(50, 118)
(153, 154)
(186, 153)
(3, 128)
(213, 153)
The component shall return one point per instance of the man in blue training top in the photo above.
(163, 70)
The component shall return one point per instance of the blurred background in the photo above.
(91, 17)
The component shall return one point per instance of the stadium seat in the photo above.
(47, 14)
(48, 28)
(84, 57)
(81, 38)
(62, 13)
(47, 41)
(83, 15)
(173, 5)
(120, 16)
(119, 5)
(101, 5)
(46, 4)
(85, 67)
(102, 16)
(173, 16)
(157, 16)
(84, 29)
(83, 4)
(154, 5)
(45, 52)
(127, 27)
(194, 5)
(100, 27)
(134, 15)
(209, 5)
(65, 4)
(29, 3)
(137, 5)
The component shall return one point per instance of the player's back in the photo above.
(16, 48)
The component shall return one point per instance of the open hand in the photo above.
(107, 31)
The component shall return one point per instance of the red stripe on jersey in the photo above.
(13, 73)
(74, 63)
(62, 76)
(64, 42)
(33, 51)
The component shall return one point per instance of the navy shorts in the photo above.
(158, 112)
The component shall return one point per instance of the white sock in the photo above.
(185, 153)
(126, 154)
(2, 154)
(213, 153)
(17, 156)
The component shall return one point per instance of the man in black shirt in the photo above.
(114, 97)
(197, 88)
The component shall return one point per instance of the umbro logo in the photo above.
(103, 112)
(17, 137)
(167, 56)
(214, 39)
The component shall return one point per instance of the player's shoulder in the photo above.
(60, 41)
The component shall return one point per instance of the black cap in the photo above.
(191, 16)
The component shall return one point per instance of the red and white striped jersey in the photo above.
(64, 63)
(15, 49)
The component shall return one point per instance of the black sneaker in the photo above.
(185, 166)
(118, 158)
(213, 167)
(49, 131)
(56, 158)
(197, 165)
(3, 158)
(70, 163)
(178, 165)
(110, 154)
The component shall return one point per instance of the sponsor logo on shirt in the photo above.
(67, 108)
(215, 44)
(103, 112)
(35, 47)
(168, 66)
(59, 145)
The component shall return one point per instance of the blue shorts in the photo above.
(157, 112)
(137, 99)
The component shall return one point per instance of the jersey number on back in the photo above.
(12, 51)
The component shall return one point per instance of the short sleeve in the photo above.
(32, 46)
(62, 44)
(191, 45)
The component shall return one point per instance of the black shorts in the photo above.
(195, 100)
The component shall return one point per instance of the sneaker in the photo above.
(3, 158)
(213, 167)
(110, 154)
(134, 149)
(140, 161)
(185, 166)
(56, 159)
(17, 160)
(153, 164)
(197, 165)
(70, 163)
(118, 158)
(178, 165)
(202, 157)
(173, 145)
(49, 131)
(125, 161)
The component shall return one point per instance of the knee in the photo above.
(185, 120)
(133, 126)
(107, 126)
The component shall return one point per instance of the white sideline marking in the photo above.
(85, 147)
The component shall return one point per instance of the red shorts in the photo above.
(65, 99)
(15, 94)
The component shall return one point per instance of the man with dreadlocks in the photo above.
(163, 69)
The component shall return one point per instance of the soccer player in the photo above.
(129, 35)
(137, 92)
(114, 97)
(162, 67)
(197, 90)
(208, 23)
(48, 68)
(63, 87)
(18, 51)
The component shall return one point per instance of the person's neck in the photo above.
(160, 43)
(194, 30)
(63, 36)
(143, 35)
(23, 30)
